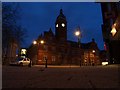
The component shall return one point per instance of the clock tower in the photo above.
(61, 27)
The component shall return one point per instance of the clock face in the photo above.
(56, 25)
(63, 25)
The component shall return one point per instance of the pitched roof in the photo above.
(73, 44)
(50, 31)
(83, 45)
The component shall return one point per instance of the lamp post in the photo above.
(78, 34)
(41, 42)
(93, 51)
(37, 49)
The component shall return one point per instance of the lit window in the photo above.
(113, 31)
(53, 58)
(44, 57)
(45, 47)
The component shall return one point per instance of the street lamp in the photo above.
(41, 42)
(78, 34)
(93, 51)
(34, 42)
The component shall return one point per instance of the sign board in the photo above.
(23, 52)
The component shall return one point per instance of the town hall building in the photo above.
(60, 51)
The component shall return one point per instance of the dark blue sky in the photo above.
(38, 17)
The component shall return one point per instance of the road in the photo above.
(61, 77)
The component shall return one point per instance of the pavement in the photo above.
(61, 76)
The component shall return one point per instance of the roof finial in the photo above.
(93, 40)
(50, 29)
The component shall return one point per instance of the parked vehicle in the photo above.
(21, 62)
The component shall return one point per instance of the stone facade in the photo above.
(60, 51)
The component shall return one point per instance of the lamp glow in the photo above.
(34, 42)
(57, 25)
(113, 31)
(63, 25)
(93, 51)
(77, 33)
(42, 41)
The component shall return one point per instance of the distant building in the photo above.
(111, 30)
(60, 51)
(9, 53)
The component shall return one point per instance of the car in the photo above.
(21, 62)
(105, 63)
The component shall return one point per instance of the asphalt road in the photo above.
(61, 77)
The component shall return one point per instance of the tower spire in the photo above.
(61, 27)
(61, 11)
(61, 15)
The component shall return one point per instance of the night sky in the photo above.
(38, 17)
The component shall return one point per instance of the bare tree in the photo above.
(12, 33)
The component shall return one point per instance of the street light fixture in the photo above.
(34, 42)
(93, 51)
(78, 34)
(94, 57)
(37, 49)
(41, 42)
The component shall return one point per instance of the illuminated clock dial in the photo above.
(63, 25)
(56, 25)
